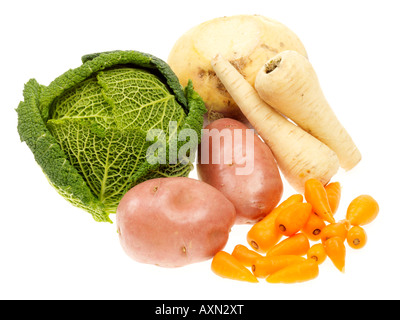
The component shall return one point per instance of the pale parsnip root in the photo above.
(289, 84)
(299, 155)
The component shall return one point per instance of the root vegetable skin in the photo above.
(297, 244)
(314, 227)
(338, 229)
(299, 272)
(175, 221)
(299, 155)
(317, 252)
(245, 255)
(245, 40)
(289, 84)
(265, 266)
(255, 186)
(292, 219)
(316, 195)
(336, 251)
(333, 191)
(362, 210)
(263, 235)
(357, 237)
(227, 266)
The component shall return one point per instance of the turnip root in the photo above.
(289, 84)
(247, 41)
(299, 155)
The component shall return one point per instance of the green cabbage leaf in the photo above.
(87, 130)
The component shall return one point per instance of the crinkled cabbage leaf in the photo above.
(87, 129)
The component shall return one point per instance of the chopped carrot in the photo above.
(245, 255)
(316, 195)
(291, 219)
(314, 227)
(297, 244)
(357, 237)
(317, 252)
(338, 229)
(334, 191)
(264, 266)
(298, 272)
(362, 210)
(336, 251)
(227, 266)
(263, 235)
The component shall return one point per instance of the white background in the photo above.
(51, 250)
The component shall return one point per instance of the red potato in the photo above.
(172, 222)
(254, 186)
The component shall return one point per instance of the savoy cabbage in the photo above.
(87, 129)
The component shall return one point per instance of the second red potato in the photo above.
(255, 192)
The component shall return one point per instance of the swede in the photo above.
(247, 41)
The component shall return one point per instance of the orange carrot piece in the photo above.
(263, 235)
(336, 251)
(357, 237)
(316, 195)
(362, 210)
(317, 252)
(298, 272)
(334, 192)
(227, 266)
(297, 244)
(291, 219)
(314, 227)
(338, 229)
(245, 255)
(264, 266)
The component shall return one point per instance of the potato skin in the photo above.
(253, 195)
(172, 222)
(247, 41)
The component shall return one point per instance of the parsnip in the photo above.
(299, 155)
(289, 84)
